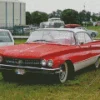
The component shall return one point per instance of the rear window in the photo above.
(5, 36)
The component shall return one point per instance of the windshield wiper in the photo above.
(41, 41)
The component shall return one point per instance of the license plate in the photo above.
(20, 71)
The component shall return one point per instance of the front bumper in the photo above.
(29, 69)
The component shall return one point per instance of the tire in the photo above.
(63, 74)
(93, 35)
(9, 76)
(97, 63)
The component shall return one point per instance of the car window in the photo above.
(63, 37)
(54, 36)
(87, 38)
(5, 36)
(82, 37)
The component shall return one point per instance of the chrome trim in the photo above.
(28, 67)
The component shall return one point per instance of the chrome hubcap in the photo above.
(97, 64)
(63, 73)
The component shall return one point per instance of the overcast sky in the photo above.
(52, 5)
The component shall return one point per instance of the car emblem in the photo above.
(20, 62)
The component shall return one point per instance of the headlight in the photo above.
(43, 62)
(1, 59)
(50, 63)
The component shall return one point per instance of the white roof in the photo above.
(4, 30)
(66, 29)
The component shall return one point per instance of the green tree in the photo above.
(28, 18)
(88, 16)
(99, 18)
(94, 17)
(69, 16)
(55, 14)
(84, 16)
(38, 17)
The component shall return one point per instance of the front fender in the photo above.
(59, 60)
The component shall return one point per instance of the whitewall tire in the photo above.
(63, 74)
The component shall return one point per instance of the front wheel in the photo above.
(63, 74)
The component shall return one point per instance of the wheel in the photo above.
(9, 76)
(97, 63)
(93, 35)
(63, 74)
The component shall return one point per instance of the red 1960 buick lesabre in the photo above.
(51, 51)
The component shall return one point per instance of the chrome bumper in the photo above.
(30, 69)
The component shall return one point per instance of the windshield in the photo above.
(52, 36)
(5, 36)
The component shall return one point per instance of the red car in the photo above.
(58, 51)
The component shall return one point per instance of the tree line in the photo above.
(68, 16)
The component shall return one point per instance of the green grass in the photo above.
(19, 41)
(96, 28)
(85, 86)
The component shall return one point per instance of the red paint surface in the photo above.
(58, 53)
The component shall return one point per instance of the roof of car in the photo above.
(64, 29)
(4, 30)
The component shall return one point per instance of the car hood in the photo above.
(32, 50)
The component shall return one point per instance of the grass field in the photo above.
(96, 28)
(18, 41)
(85, 86)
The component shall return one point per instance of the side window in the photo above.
(87, 38)
(80, 38)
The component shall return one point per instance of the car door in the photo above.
(83, 41)
(95, 47)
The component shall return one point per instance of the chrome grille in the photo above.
(24, 62)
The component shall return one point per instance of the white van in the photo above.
(6, 38)
(52, 23)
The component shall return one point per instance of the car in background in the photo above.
(92, 33)
(52, 23)
(21, 30)
(6, 38)
(72, 25)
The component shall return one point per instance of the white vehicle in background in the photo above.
(6, 38)
(92, 33)
(52, 23)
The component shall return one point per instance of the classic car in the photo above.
(56, 51)
(6, 38)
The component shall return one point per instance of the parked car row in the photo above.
(58, 23)
(57, 51)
